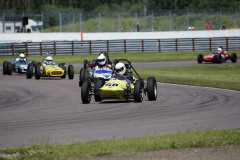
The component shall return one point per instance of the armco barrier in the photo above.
(120, 46)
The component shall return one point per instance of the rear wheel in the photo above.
(218, 58)
(151, 89)
(70, 72)
(99, 83)
(5, 70)
(86, 92)
(200, 58)
(37, 72)
(138, 91)
(9, 68)
(234, 57)
(29, 73)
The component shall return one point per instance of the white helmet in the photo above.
(120, 68)
(219, 50)
(49, 60)
(101, 59)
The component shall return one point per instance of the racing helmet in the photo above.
(101, 59)
(22, 55)
(219, 50)
(120, 68)
(49, 60)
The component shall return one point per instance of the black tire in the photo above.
(29, 73)
(39, 63)
(99, 83)
(70, 72)
(34, 63)
(86, 92)
(218, 58)
(151, 89)
(234, 57)
(9, 68)
(37, 72)
(84, 74)
(138, 91)
(200, 58)
(85, 64)
(5, 70)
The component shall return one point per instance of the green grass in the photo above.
(227, 77)
(144, 144)
(133, 57)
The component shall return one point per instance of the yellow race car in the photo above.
(120, 87)
(49, 70)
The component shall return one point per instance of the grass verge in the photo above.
(227, 77)
(133, 57)
(144, 144)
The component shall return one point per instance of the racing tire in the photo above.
(85, 64)
(86, 92)
(99, 83)
(29, 73)
(218, 58)
(5, 70)
(200, 58)
(84, 74)
(34, 63)
(138, 91)
(233, 57)
(151, 89)
(70, 72)
(37, 72)
(9, 68)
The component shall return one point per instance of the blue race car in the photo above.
(18, 65)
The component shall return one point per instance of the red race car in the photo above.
(219, 57)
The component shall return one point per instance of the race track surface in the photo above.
(50, 111)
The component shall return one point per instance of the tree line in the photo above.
(132, 5)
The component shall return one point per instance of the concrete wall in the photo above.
(40, 37)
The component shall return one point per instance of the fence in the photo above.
(120, 46)
(122, 21)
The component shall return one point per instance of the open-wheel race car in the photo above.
(218, 57)
(121, 85)
(18, 64)
(99, 68)
(47, 68)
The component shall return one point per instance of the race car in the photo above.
(18, 65)
(120, 87)
(99, 68)
(49, 69)
(218, 57)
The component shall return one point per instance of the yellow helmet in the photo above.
(22, 55)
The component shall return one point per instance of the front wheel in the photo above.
(37, 72)
(138, 91)
(151, 89)
(9, 68)
(85, 64)
(86, 92)
(200, 58)
(84, 74)
(99, 83)
(70, 72)
(5, 70)
(233, 57)
(29, 73)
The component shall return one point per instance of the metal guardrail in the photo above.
(120, 46)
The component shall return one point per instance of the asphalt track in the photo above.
(50, 111)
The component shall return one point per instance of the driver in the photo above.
(101, 61)
(121, 72)
(48, 61)
(22, 58)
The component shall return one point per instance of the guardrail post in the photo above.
(142, 46)
(90, 47)
(210, 44)
(72, 48)
(159, 46)
(54, 48)
(12, 49)
(227, 43)
(193, 45)
(107, 46)
(176, 45)
(26, 46)
(40, 48)
(125, 46)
